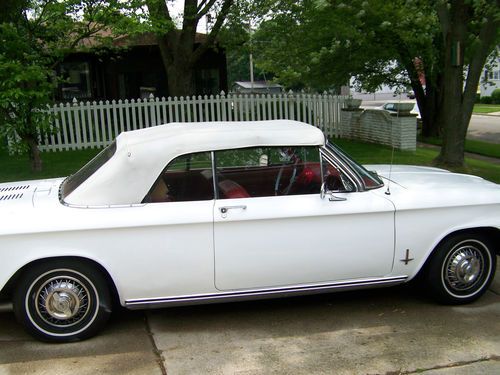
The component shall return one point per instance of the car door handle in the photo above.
(224, 209)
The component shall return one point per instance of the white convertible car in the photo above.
(206, 212)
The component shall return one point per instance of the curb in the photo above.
(491, 114)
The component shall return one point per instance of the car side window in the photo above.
(186, 178)
(268, 171)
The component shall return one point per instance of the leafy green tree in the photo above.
(399, 43)
(25, 94)
(178, 47)
(177, 39)
(35, 35)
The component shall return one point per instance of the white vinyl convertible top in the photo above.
(141, 155)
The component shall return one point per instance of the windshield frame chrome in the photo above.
(334, 152)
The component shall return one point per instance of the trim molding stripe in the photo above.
(262, 293)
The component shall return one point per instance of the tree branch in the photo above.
(200, 5)
(486, 39)
(190, 18)
(158, 9)
(221, 17)
(204, 10)
(444, 19)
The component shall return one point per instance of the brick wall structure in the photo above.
(397, 130)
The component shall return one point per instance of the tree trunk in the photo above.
(428, 111)
(453, 22)
(459, 101)
(34, 154)
(180, 79)
(453, 146)
(177, 46)
(176, 49)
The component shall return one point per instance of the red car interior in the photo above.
(245, 182)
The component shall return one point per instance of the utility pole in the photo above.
(251, 69)
(251, 57)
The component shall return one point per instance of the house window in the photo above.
(493, 75)
(76, 84)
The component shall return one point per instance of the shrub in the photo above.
(495, 96)
(486, 100)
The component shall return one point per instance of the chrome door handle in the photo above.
(224, 210)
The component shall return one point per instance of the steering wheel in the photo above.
(277, 182)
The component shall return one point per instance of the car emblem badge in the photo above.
(407, 258)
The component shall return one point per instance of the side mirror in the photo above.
(331, 197)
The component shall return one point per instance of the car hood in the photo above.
(25, 194)
(411, 177)
(436, 187)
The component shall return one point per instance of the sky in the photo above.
(176, 7)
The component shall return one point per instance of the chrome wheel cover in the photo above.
(464, 267)
(62, 301)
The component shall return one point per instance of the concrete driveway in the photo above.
(485, 128)
(385, 331)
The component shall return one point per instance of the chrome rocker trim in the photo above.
(6, 306)
(136, 304)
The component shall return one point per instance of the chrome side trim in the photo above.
(6, 307)
(71, 205)
(262, 294)
(338, 163)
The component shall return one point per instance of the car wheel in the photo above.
(461, 269)
(62, 301)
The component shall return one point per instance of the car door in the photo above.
(171, 245)
(285, 233)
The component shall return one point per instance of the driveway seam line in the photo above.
(494, 292)
(156, 351)
(442, 367)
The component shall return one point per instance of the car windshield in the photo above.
(75, 180)
(370, 179)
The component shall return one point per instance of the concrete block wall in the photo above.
(382, 127)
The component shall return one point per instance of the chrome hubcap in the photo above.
(464, 268)
(62, 301)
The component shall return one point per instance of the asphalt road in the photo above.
(386, 331)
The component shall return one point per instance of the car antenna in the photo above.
(388, 191)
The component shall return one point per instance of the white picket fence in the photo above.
(80, 125)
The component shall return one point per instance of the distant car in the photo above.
(206, 212)
(394, 105)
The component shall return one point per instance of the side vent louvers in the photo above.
(12, 192)
(14, 188)
(10, 197)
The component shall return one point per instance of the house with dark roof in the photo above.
(133, 69)
(256, 87)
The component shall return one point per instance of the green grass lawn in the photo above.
(486, 108)
(471, 145)
(367, 153)
(55, 164)
(58, 164)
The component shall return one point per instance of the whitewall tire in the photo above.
(62, 301)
